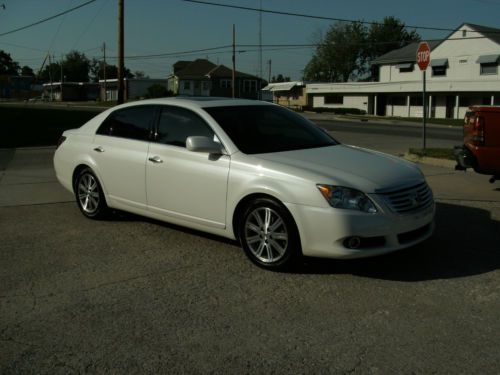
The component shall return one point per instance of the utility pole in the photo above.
(50, 77)
(104, 72)
(233, 80)
(259, 85)
(62, 78)
(121, 64)
(269, 80)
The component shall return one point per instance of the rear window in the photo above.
(265, 128)
(131, 122)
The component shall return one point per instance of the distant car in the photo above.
(246, 170)
(481, 148)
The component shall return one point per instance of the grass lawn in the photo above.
(25, 126)
(440, 153)
(439, 121)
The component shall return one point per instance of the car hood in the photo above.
(349, 166)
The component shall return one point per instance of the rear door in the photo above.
(186, 185)
(120, 152)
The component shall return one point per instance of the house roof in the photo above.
(202, 68)
(490, 32)
(409, 53)
(406, 54)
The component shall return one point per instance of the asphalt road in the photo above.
(131, 295)
(392, 138)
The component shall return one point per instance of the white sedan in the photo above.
(246, 170)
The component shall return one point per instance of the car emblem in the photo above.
(415, 199)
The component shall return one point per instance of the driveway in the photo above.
(132, 295)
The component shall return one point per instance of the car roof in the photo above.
(198, 102)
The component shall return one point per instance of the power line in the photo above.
(48, 18)
(325, 18)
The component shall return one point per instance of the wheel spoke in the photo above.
(270, 257)
(275, 225)
(86, 204)
(94, 202)
(257, 217)
(280, 236)
(276, 246)
(267, 219)
(253, 227)
(260, 249)
(253, 239)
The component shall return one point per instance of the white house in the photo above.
(463, 71)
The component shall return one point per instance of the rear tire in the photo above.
(269, 235)
(89, 195)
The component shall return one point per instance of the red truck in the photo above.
(481, 148)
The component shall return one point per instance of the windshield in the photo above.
(257, 129)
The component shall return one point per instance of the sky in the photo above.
(174, 26)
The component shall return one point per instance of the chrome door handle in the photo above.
(99, 149)
(155, 159)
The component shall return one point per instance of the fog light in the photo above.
(352, 242)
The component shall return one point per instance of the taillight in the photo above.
(478, 133)
(60, 141)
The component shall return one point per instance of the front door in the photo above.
(186, 185)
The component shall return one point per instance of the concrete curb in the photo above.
(445, 163)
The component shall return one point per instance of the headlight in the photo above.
(342, 197)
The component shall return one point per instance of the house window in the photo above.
(439, 67)
(206, 86)
(187, 85)
(225, 83)
(405, 67)
(464, 33)
(249, 86)
(439, 71)
(334, 99)
(489, 68)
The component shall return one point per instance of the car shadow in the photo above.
(466, 242)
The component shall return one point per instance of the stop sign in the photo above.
(423, 55)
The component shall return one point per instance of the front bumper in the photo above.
(325, 232)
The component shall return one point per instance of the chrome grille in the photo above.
(408, 200)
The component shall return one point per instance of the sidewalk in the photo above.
(27, 177)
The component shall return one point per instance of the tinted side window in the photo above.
(132, 123)
(176, 124)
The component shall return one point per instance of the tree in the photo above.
(389, 35)
(140, 74)
(280, 78)
(347, 49)
(97, 71)
(51, 72)
(7, 65)
(76, 67)
(27, 71)
(339, 55)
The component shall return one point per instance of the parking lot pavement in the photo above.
(131, 295)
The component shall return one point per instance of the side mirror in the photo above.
(203, 144)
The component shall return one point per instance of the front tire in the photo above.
(89, 195)
(268, 235)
